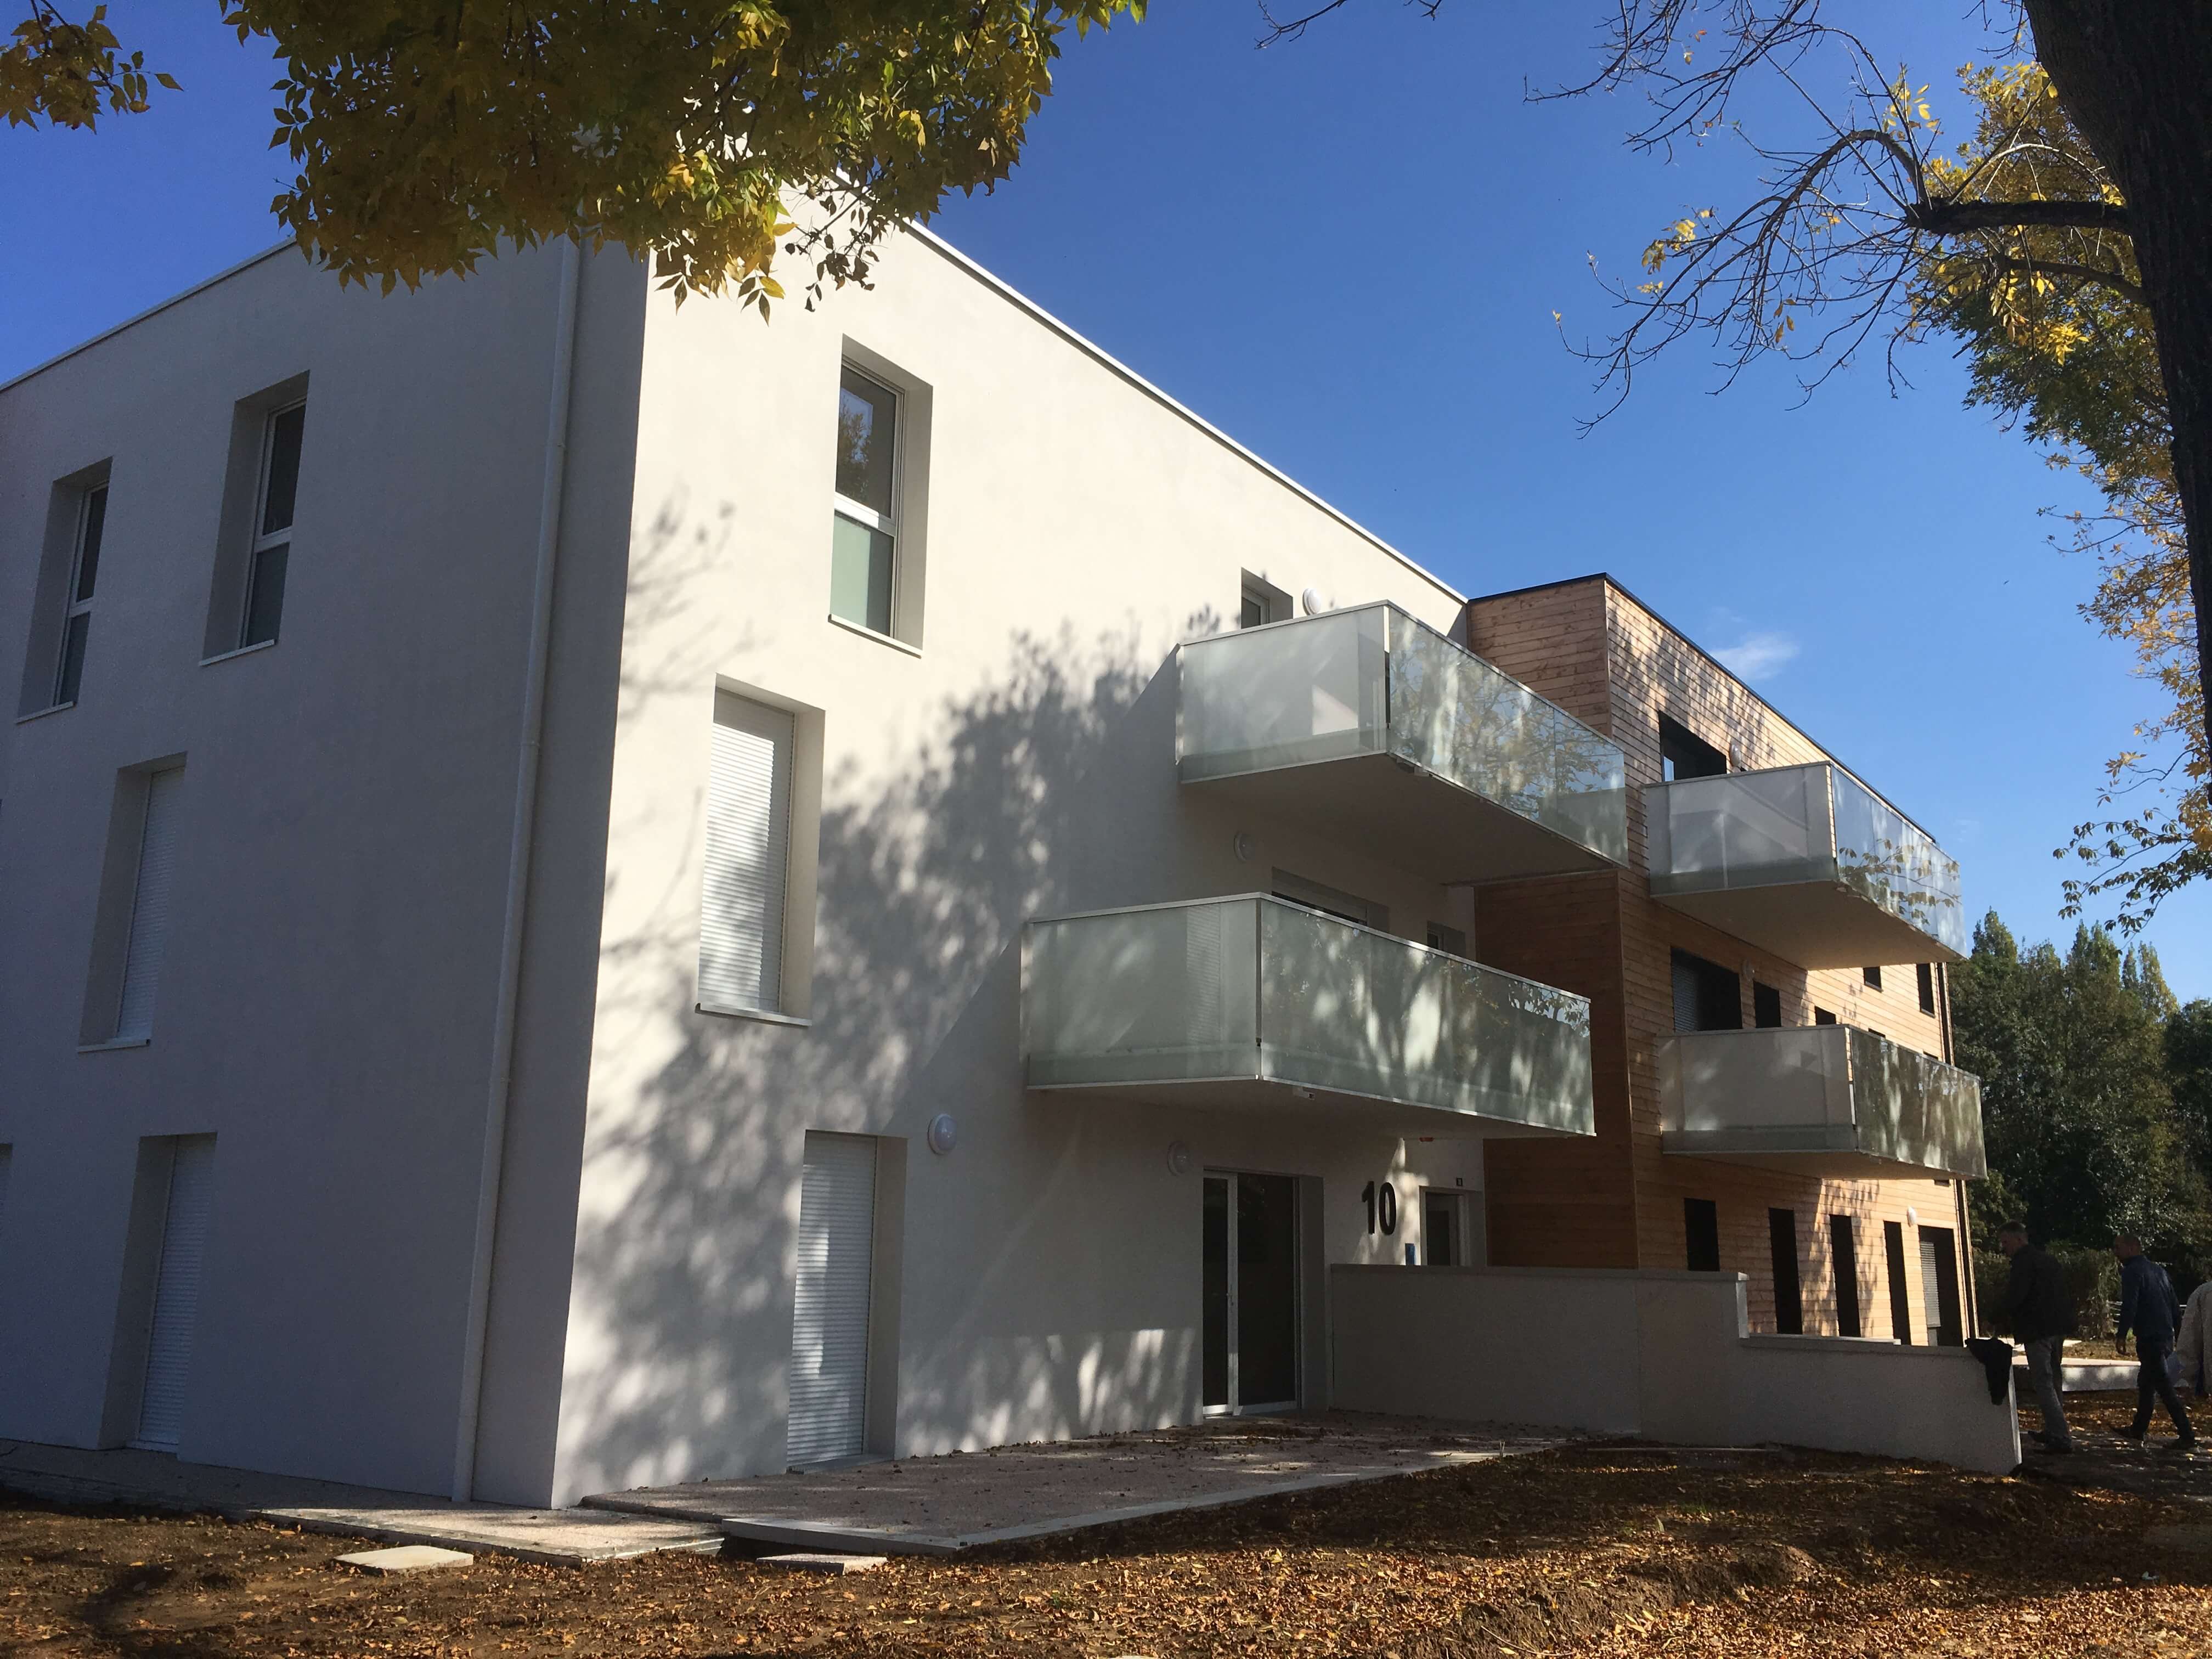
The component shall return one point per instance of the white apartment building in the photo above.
(597, 893)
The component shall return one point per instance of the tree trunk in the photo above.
(2136, 76)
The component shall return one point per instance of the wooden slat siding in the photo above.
(1617, 1200)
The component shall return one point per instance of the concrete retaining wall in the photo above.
(1666, 1355)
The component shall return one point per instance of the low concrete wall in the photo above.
(1666, 1355)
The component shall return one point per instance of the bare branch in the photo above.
(1961, 218)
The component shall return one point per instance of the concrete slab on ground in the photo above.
(2081, 1375)
(73, 1474)
(943, 1505)
(406, 1557)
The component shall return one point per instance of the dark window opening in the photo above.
(1701, 1224)
(1939, 1287)
(1822, 1016)
(1766, 1005)
(1844, 1253)
(1447, 939)
(1788, 1297)
(1707, 996)
(1927, 975)
(1872, 976)
(1684, 754)
(1900, 1305)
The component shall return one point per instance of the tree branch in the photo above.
(2111, 279)
(1956, 218)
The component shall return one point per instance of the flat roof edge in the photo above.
(132, 321)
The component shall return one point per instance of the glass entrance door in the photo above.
(1251, 1293)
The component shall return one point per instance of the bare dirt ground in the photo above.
(1601, 1550)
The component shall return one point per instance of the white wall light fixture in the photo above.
(943, 1134)
(1178, 1158)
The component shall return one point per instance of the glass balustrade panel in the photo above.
(1344, 1008)
(1742, 829)
(1283, 695)
(1894, 864)
(1166, 994)
(1458, 717)
(1795, 1078)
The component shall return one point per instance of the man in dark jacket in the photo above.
(2042, 1316)
(2147, 1307)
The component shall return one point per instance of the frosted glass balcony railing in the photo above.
(1251, 1002)
(1806, 862)
(1377, 729)
(1825, 1100)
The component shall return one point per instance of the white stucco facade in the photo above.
(496, 1209)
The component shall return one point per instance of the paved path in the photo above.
(942, 1505)
(69, 1474)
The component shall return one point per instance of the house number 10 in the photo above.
(1382, 1202)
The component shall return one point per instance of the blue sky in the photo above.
(1346, 252)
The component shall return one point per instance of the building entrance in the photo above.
(1250, 1338)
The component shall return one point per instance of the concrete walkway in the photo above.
(2081, 1375)
(68, 1474)
(942, 1505)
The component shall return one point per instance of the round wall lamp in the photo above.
(1246, 849)
(1315, 601)
(1178, 1158)
(944, 1134)
(1911, 1217)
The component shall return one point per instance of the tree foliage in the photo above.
(66, 73)
(2059, 340)
(708, 136)
(2079, 1097)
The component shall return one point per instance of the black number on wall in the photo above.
(1382, 1202)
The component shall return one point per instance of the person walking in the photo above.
(2042, 1316)
(2149, 1309)
(2192, 1352)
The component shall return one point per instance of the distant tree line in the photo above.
(2096, 1097)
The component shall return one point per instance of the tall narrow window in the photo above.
(1893, 1258)
(1766, 1005)
(864, 525)
(1788, 1299)
(84, 572)
(272, 524)
(1843, 1255)
(741, 919)
(1701, 1231)
(1926, 973)
(150, 907)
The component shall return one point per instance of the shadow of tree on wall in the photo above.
(1013, 799)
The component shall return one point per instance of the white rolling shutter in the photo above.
(830, 1316)
(149, 908)
(748, 850)
(176, 1294)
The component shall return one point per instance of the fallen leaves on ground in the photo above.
(1608, 1550)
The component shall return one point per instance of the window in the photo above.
(1701, 1228)
(1445, 938)
(1331, 901)
(1448, 1234)
(1684, 754)
(1707, 996)
(84, 571)
(1872, 976)
(272, 524)
(741, 914)
(1926, 974)
(1788, 1299)
(1939, 1282)
(1900, 1303)
(148, 937)
(1260, 603)
(1844, 1253)
(864, 528)
(1766, 1005)
(60, 603)
(1822, 1016)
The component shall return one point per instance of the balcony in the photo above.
(1379, 733)
(1806, 862)
(1251, 1002)
(1820, 1100)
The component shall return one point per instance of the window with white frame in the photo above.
(279, 486)
(741, 911)
(84, 572)
(864, 521)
